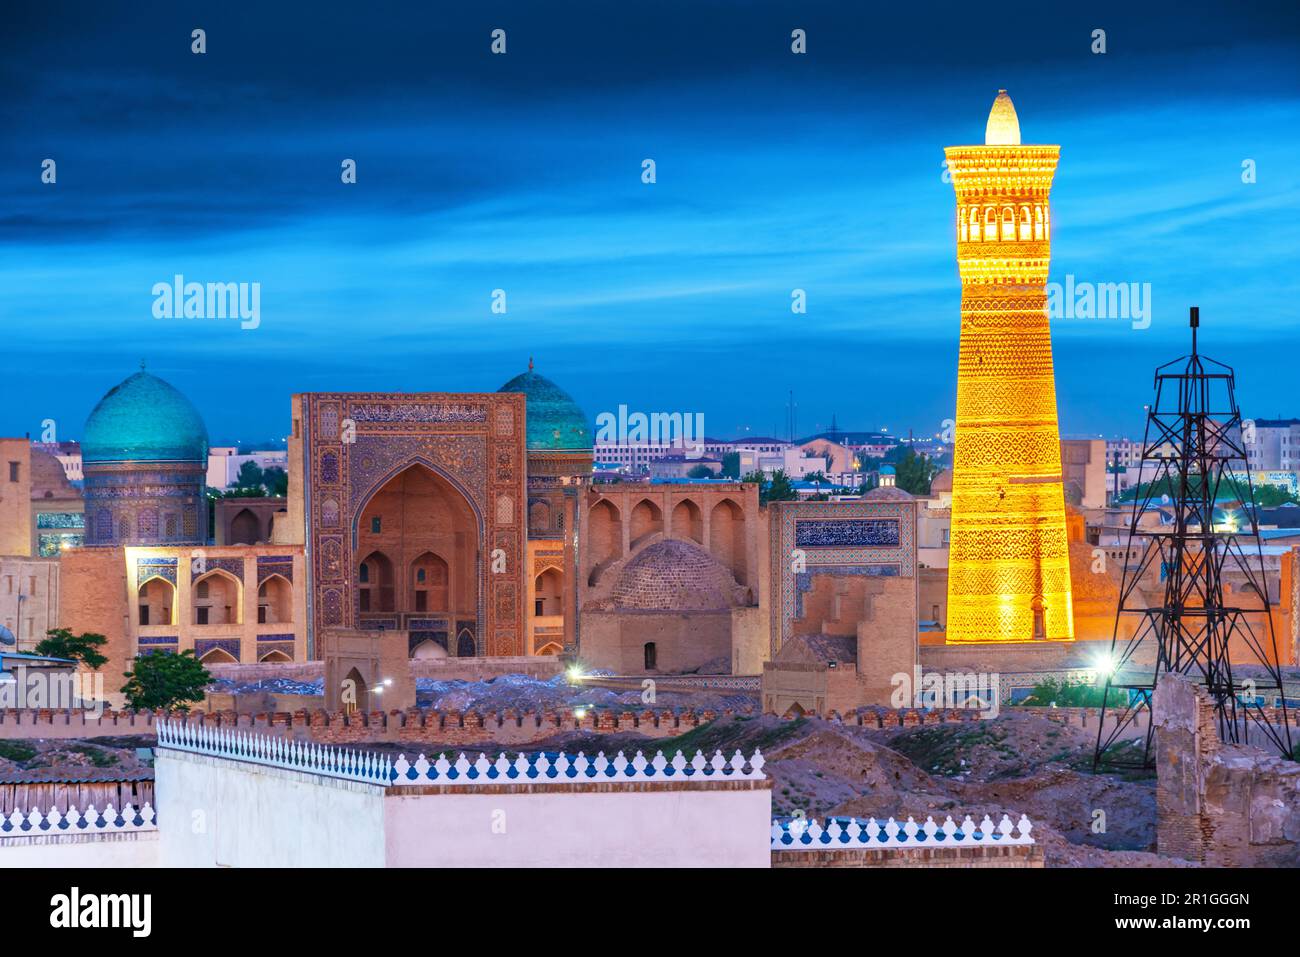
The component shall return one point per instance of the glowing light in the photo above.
(1003, 127)
(1105, 665)
(1009, 560)
(575, 674)
(579, 713)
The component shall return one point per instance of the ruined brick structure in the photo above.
(844, 602)
(1217, 804)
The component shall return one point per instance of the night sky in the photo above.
(522, 172)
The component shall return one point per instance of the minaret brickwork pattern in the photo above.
(1009, 564)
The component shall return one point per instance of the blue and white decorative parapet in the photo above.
(276, 752)
(91, 821)
(542, 768)
(537, 768)
(804, 835)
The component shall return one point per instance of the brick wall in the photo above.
(1221, 805)
(1029, 855)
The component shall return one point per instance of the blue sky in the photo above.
(522, 172)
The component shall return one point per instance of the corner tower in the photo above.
(1009, 563)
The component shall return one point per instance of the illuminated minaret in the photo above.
(1009, 564)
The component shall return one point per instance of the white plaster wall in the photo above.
(81, 850)
(217, 812)
(563, 828)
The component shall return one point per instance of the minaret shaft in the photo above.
(1009, 563)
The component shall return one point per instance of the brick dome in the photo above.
(674, 575)
(887, 493)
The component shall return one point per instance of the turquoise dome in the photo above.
(144, 419)
(555, 423)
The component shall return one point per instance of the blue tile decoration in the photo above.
(846, 533)
(164, 568)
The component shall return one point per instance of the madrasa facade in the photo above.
(416, 526)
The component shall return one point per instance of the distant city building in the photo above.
(1273, 444)
(681, 466)
(41, 512)
(1083, 468)
(1123, 452)
(225, 461)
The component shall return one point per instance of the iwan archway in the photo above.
(419, 541)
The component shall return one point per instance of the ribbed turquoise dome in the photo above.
(144, 419)
(555, 423)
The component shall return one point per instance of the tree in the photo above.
(731, 465)
(915, 472)
(700, 471)
(250, 476)
(164, 680)
(276, 481)
(62, 643)
(777, 489)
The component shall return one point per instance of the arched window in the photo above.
(1008, 223)
(274, 601)
(974, 217)
(156, 601)
(651, 656)
(1038, 222)
(1026, 224)
(216, 599)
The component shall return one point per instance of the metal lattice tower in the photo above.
(1179, 560)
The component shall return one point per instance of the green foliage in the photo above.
(18, 751)
(731, 465)
(699, 472)
(1265, 496)
(276, 481)
(255, 482)
(777, 489)
(1271, 496)
(62, 643)
(915, 472)
(165, 680)
(250, 476)
(1071, 694)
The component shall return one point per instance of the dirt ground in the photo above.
(30, 754)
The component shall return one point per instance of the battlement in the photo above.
(453, 728)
